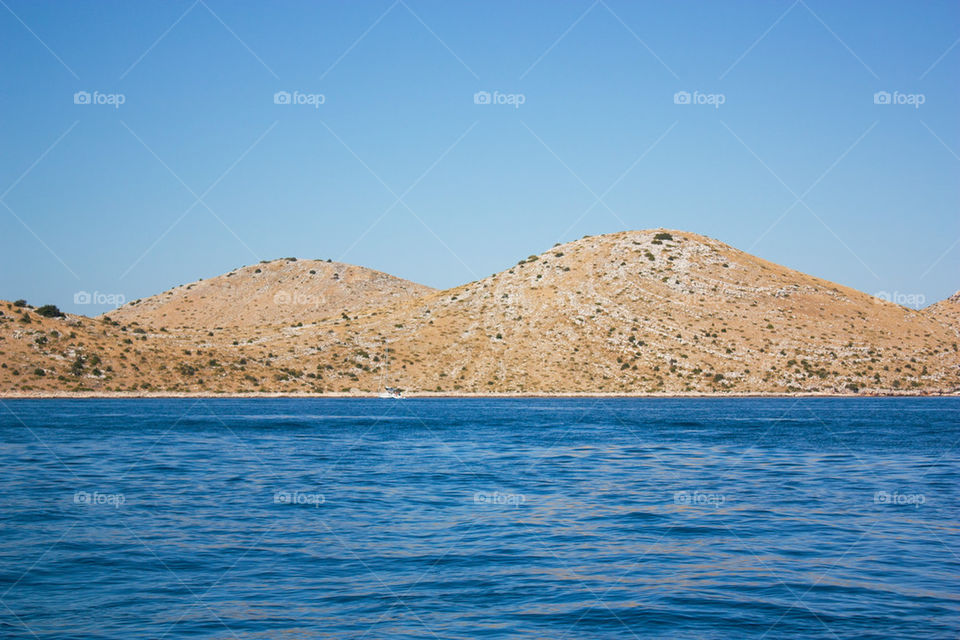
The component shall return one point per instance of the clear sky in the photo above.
(782, 150)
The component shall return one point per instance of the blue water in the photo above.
(568, 518)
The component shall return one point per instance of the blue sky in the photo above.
(199, 170)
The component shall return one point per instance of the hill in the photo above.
(634, 312)
(661, 311)
(276, 292)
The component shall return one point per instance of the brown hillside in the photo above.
(633, 312)
(947, 311)
(283, 291)
(627, 312)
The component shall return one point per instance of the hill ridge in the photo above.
(653, 311)
(280, 291)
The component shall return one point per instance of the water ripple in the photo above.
(287, 518)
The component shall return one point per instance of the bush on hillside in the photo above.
(49, 311)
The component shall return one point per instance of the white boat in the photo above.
(388, 392)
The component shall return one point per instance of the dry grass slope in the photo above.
(635, 312)
(947, 312)
(284, 291)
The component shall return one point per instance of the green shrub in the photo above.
(185, 369)
(49, 311)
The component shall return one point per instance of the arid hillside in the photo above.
(660, 311)
(633, 312)
(947, 311)
(273, 292)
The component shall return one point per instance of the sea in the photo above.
(480, 518)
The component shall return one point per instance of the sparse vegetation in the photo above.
(635, 318)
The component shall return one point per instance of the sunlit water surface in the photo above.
(527, 518)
